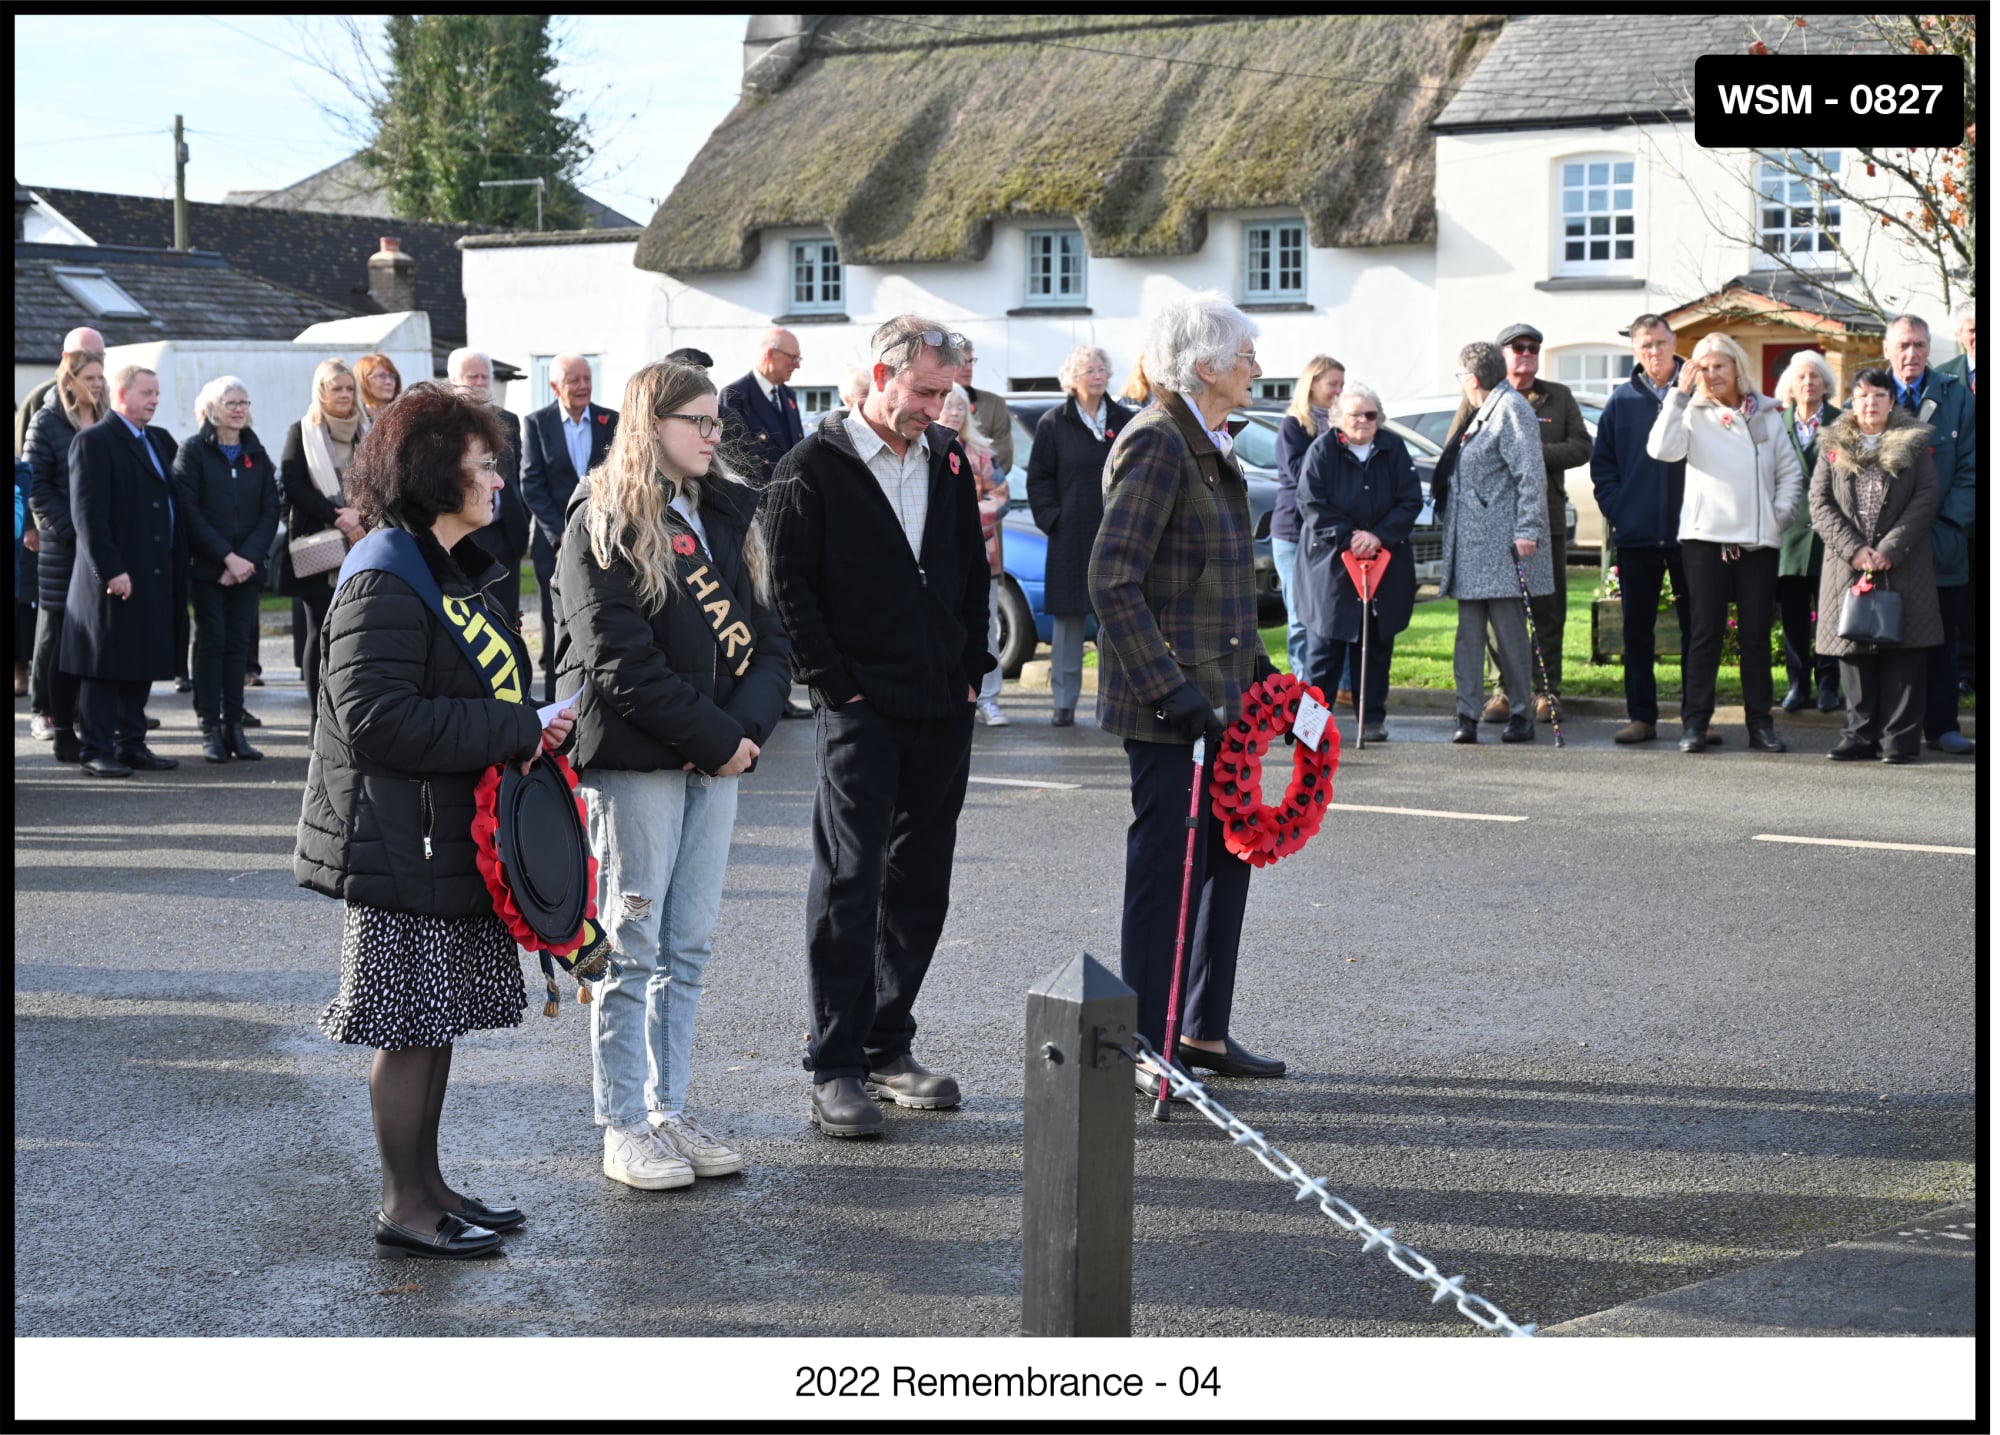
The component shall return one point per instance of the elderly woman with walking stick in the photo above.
(1170, 577)
(1496, 528)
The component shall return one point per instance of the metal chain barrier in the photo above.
(1412, 1263)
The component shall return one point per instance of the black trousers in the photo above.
(1751, 582)
(1155, 848)
(885, 825)
(1639, 573)
(111, 716)
(1798, 597)
(225, 625)
(545, 572)
(1885, 698)
(1330, 659)
(51, 690)
(314, 610)
(183, 628)
(1941, 668)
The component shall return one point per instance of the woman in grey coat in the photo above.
(1495, 516)
(1874, 493)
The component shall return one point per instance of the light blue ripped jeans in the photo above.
(662, 845)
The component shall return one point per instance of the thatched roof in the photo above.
(906, 138)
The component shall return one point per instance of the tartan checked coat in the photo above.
(1170, 574)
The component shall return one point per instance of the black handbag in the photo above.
(1871, 614)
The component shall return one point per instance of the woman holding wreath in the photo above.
(663, 592)
(407, 726)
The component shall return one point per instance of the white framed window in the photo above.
(1275, 388)
(538, 378)
(98, 293)
(817, 401)
(1274, 260)
(1591, 371)
(1055, 267)
(1597, 215)
(1796, 216)
(816, 277)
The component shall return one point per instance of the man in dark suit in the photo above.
(560, 444)
(118, 636)
(506, 538)
(759, 412)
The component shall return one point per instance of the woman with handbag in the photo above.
(663, 593)
(410, 721)
(1874, 494)
(1744, 485)
(320, 524)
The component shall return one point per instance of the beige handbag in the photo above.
(319, 552)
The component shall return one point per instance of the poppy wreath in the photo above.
(485, 838)
(1257, 833)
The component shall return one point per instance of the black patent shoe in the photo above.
(456, 1239)
(494, 1218)
(215, 747)
(1232, 1060)
(1151, 1087)
(144, 759)
(843, 1107)
(1847, 750)
(1520, 728)
(1693, 739)
(1764, 738)
(1467, 730)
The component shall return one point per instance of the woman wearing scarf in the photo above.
(1310, 415)
(663, 592)
(318, 450)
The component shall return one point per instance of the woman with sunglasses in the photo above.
(663, 593)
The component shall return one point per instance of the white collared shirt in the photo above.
(906, 481)
(576, 438)
(770, 389)
(1095, 421)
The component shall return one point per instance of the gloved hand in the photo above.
(1265, 668)
(1189, 713)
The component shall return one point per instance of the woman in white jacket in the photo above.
(1744, 485)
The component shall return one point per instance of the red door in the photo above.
(1777, 356)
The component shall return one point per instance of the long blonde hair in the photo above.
(70, 391)
(326, 373)
(1301, 405)
(630, 490)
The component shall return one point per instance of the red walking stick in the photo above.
(1195, 806)
(1365, 572)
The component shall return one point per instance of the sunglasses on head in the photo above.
(930, 339)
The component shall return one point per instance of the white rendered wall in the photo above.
(567, 298)
(1498, 234)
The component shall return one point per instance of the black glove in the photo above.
(1189, 713)
(1265, 668)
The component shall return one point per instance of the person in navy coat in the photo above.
(1358, 492)
(118, 637)
(559, 445)
(759, 413)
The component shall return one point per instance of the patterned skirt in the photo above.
(407, 980)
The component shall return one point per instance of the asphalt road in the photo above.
(1606, 1052)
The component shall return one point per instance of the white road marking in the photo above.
(1022, 782)
(1424, 812)
(1856, 842)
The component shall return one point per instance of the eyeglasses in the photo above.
(1523, 346)
(704, 424)
(487, 465)
(788, 354)
(1368, 416)
(236, 403)
(929, 338)
(1464, 374)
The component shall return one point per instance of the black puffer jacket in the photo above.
(47, 452)
(226, 508)
(407, 726)
(658, 694)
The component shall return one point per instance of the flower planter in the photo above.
(1607, 632)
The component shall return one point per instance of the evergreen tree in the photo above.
(469, 98)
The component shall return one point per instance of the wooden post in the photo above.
(1076, 1209)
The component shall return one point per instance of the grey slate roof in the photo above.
(195, 295)
(1551, 71)
(349, 187)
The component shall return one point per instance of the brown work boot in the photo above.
(1497, 708)
(1635, 731)
(1544, 709)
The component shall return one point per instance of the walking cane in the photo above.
(1160, 1103)
(1541, 667)
(1364, 572)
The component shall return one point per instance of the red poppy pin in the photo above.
(1834, 454)
(684, 544)
(248, 462)
(954, 463)
(1110, 434)
(603, 419)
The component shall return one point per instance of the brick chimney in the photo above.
(392, 277)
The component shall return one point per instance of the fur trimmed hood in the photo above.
(1903, 441)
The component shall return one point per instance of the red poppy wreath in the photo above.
(486, 856)
(1258, 833)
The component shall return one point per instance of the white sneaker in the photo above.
(687, 1142)
(990, 714)
(637, 1159)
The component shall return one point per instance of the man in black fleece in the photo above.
(880, 577)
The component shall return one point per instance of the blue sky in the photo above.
(95, 98)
